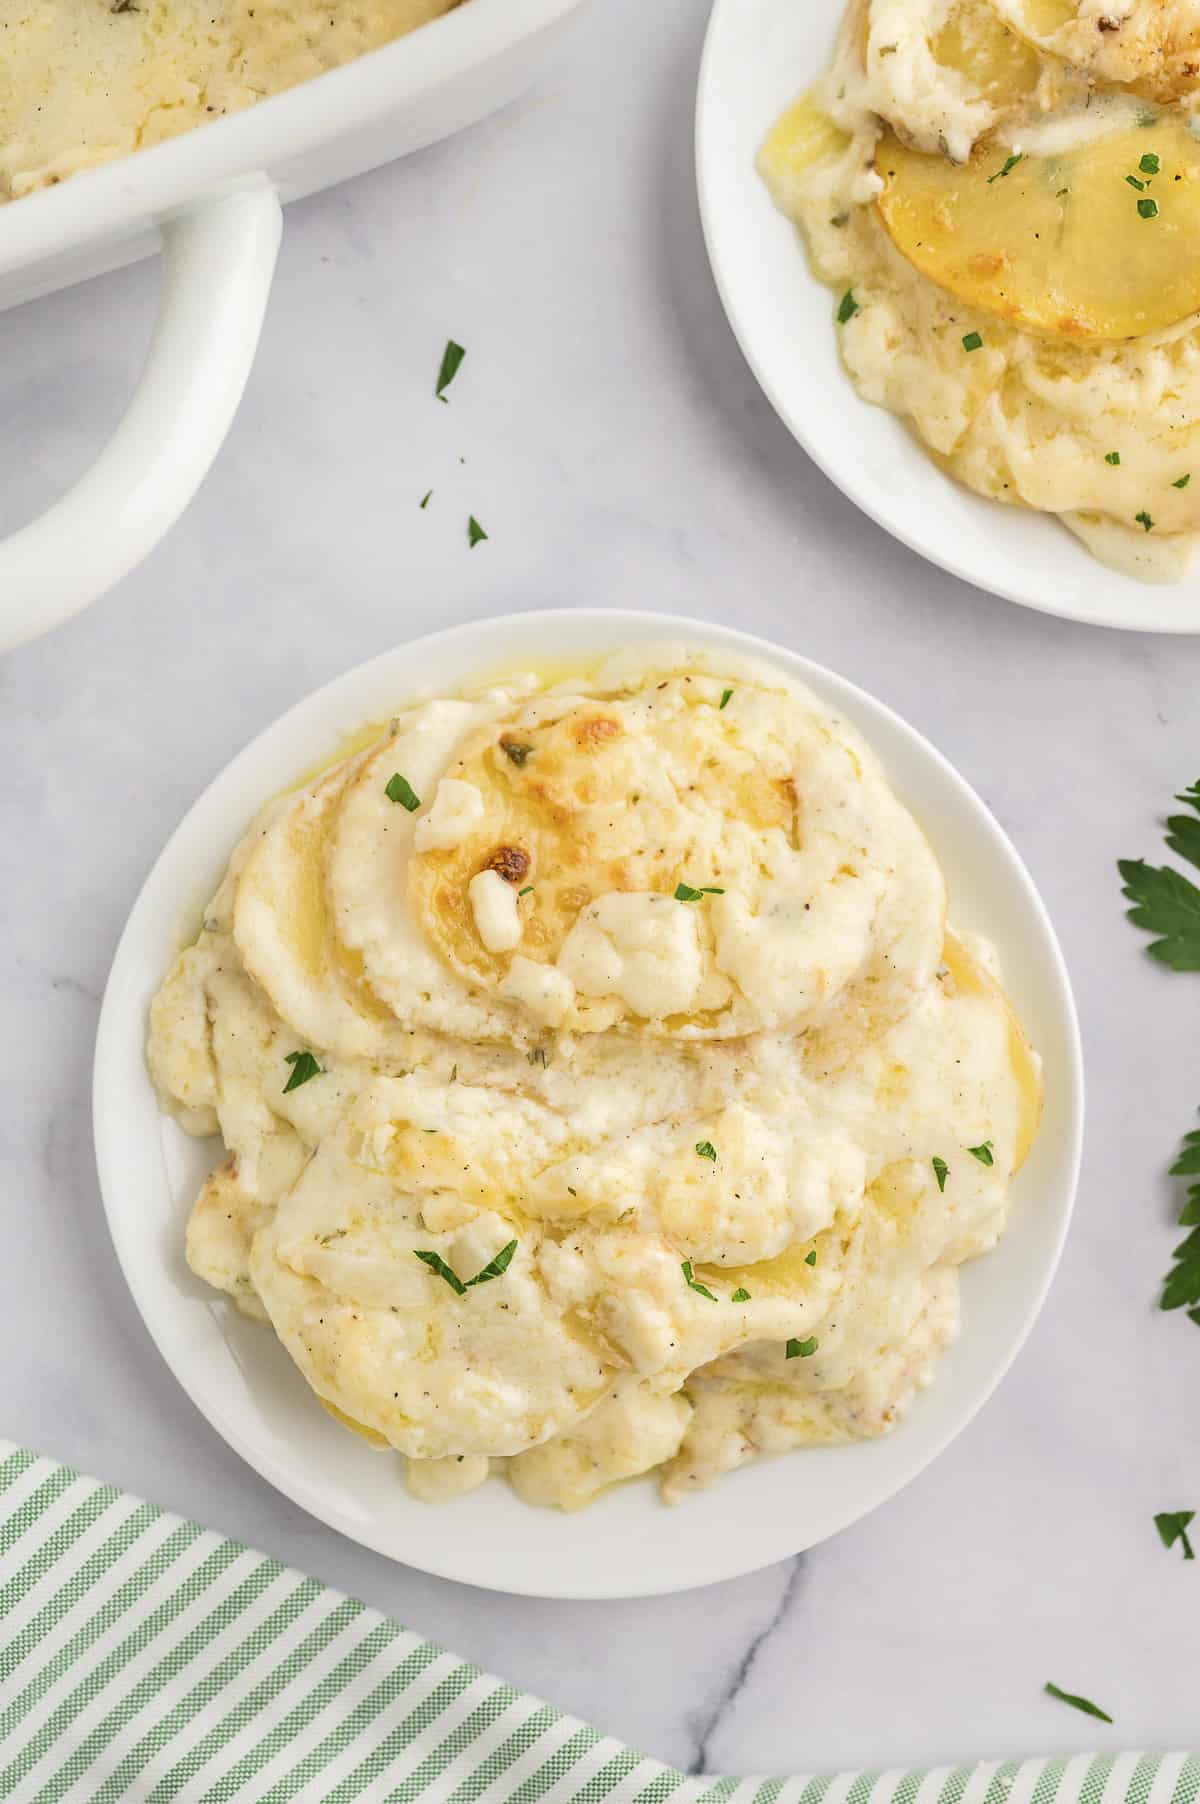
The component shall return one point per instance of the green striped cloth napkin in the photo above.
(144, 1658)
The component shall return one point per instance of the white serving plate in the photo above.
(212, 199)
(628, 1543)
(759, 56)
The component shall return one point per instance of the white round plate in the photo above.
(759, 56)
(628, 1543)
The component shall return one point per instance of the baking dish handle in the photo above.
(217, 264)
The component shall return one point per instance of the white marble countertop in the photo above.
(608, 435)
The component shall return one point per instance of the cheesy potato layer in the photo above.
(602, 1090)
(83, 81)
(1005, 197)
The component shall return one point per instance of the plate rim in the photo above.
(110, 1046)
(841, 473)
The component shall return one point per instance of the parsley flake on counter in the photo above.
(740, 1295)
(1112, 457)
(304, 1067)
(475, 533)
(848, 307)
(982, 1153)
(726, 698)
(1172, 1526)
(1165, 902)
(1148, 208)
(1143, 519)
(399, 789)
(692, 1284)
(972, 342)
(426, 498)
(1181, 482)
(707, 1150)
(1010, 164)
(801, 1349)
(941, 1172)
(1078, 1703)
(1149, 164)
(452, 358)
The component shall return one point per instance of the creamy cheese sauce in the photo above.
(575, 1145)
(83, 81)
(1098, 430)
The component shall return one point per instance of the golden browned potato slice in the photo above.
(1000, 64)
(1154, 48)
(1098, 242)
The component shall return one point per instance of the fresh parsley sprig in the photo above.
(1165, 902)
(1181, 1287)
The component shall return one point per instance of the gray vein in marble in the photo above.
(720, 1709)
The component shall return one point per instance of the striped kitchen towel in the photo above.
(144, 1658)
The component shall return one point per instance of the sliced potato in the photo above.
(999, 63)
(803, 136)
(1154, 49)
(1067, 245)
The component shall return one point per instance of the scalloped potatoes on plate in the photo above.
(602, 1089)
(1005, 196)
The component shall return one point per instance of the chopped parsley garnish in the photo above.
(685, 893)
(426, 497)
(304, 1066)
(1181, 482)
(514, 751)
(527, 891)
(1148, 207)
(811, 1258)
(1134, 183)
(707, 1150)
(982, 1153)
(802, 1349)
(1172, 1526)
(475, 532)
(1144, 520)
(740, 1295)
(437, 1264)
(495, 1268)
(1112, 457)
(686, 1269)
(1010, 164)
(941, 1172)
(972, 342)
(399, 789)
(452, 357)
(848, 307)
(1078, 1703)
(1149, 164)
(726, 698)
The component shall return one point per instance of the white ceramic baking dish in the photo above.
(212, 200)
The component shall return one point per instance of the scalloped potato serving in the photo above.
(1005, 197)
(602, 1088)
